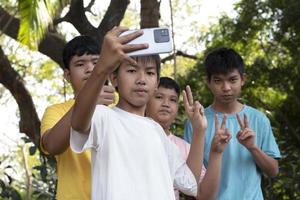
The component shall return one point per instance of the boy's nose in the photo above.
(165, 103)
(226, 86)
(141, 78)
(90, 66)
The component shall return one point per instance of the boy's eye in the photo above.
(158, 97)
(233, 80)
(216, 80)
(131, 70)
(79, 64)
(151, 73)
(174, 100)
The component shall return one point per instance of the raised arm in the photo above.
(56, 140)
(246, 136)
(114, 49)
(195, 112)
(209, 186)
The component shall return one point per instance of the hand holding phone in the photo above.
(158, 39)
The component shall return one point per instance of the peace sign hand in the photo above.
(222, 136)
(194, 111)
(246, 135)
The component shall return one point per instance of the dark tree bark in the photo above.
(29, 121)
(150, 14)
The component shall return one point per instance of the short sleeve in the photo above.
(268, 142)
(188, 131)
(79, 142)
(51, 116)
(184, 179)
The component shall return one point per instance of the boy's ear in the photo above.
(208, 82)
(113, 79)
(67, 75)
(244, 78)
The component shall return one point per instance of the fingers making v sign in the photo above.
(221, 137)
(194, 110)
(246, 135)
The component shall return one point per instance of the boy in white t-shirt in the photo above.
(163, 108)
(132, 158)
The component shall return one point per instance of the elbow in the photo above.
(78, 126)
(274, 171)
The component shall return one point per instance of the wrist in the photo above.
(252, 148)
(101, 69)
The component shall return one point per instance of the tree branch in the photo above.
(113, 16)
(77, 17)
(51, 45)
(29, 121)
(178, 53)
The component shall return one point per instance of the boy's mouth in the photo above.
(141, 91)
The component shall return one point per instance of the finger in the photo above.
(228, 135)
(131, 36)
(108, 89)
(107, 96)
(185, 101)
(189, 95)
(223, 125)
(134, 47)
(197, 107)
(240, 121)
(117, 30)
(106, 102)
(216, 123)
(238, 134)
(246, 135)
(245, 121)
(129, 60)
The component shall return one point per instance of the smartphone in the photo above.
(158, 39)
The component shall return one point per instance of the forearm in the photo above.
(195, 158)
(209, 186)
(56, 140)
(86, 101)
(267, 164)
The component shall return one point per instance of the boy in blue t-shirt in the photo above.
(252, 149)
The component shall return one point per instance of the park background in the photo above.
(33, 32)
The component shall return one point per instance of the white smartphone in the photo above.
(158, 39)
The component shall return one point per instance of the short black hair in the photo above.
(154, 57)
(169, 83)
(78, 46)
(222, 61)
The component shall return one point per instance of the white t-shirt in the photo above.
(132, 158)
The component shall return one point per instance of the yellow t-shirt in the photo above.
(73, 170)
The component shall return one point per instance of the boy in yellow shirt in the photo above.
(73, 170)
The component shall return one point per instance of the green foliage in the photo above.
(35, 17)
(32, 177)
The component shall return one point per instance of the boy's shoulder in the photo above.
(59, 108)
(249, 110)
(67, 104)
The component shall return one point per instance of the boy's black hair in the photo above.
(155, 58)
(223, 61)
(78, 46)
(169, 83)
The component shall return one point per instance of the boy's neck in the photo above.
(132, 109)
(167, 131)
(229, 108)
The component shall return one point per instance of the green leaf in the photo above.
(35, 17)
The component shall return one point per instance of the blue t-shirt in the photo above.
(240, 177)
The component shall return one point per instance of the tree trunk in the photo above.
(150, 14)
(29, 121)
